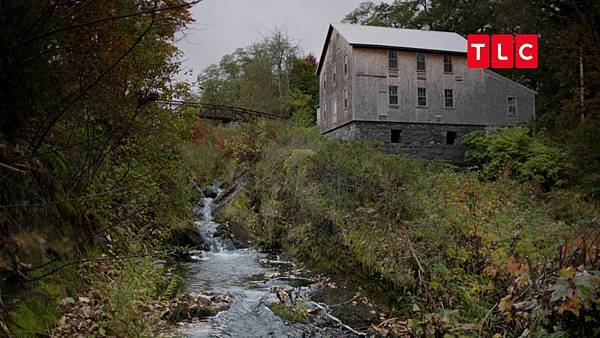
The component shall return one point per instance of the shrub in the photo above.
(512, 152)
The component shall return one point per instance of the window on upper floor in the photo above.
(511, 108)
(422, 96)
(447, 63)
(334, 109)
(393, 94)
(334, 70)
(345, 98)
(345, 64)
(393, 59)
(448, 98)
(421, 62)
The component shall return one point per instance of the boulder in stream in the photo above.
(194, 306)
(189, 237)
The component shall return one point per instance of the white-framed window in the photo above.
(511, 106)
(393, 94)
(447, 63)
(421, 66)
(334, 109)
(325, 111)
(448, 98)
(392, 59)
(345, 98)
(421, 96)
(345, 64)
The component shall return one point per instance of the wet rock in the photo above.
(238, 233)
(189, 237)
(210, 193)
(194, 306)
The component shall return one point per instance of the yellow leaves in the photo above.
(505, 305)
(568, 272)
(571, 304)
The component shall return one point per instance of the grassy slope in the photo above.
(439, 246)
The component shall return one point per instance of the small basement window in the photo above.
(450, 137)
(395, 136)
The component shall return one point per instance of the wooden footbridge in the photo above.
(221, 113)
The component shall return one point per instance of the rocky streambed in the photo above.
(266, 296)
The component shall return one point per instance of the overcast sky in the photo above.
(223, 25)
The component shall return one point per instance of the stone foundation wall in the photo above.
(418, 139)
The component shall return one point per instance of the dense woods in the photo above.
(89, 162)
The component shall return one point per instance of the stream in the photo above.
(253, 279)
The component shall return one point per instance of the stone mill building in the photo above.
(411, 90)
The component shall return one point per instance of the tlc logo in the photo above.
(505, 51)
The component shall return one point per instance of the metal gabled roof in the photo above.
(414, 39)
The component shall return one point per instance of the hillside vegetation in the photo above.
(92, 185)
(449, 251)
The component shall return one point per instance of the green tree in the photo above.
(89, 162)
(264, 76)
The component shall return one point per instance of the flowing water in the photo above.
(244, 274)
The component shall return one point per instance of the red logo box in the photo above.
(526, 51)
(504, 51)
(478, 51)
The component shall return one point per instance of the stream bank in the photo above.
(268, 296)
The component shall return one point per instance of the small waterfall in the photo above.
(206, 225)
(253, 280)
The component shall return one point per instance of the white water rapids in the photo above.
(243, 273)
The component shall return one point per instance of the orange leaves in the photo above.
(571, 304)
(513, 267)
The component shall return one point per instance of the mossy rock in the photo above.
(203, 311)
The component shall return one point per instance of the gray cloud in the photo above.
(223, 25)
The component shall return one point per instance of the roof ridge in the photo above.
(393, 28)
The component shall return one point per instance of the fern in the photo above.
(173, 288)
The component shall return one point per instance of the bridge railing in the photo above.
(222, 112)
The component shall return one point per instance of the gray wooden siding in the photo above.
(338, 47)
(480, 96)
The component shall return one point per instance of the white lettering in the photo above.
(525, 45)
(478, 46)
(500, 56)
